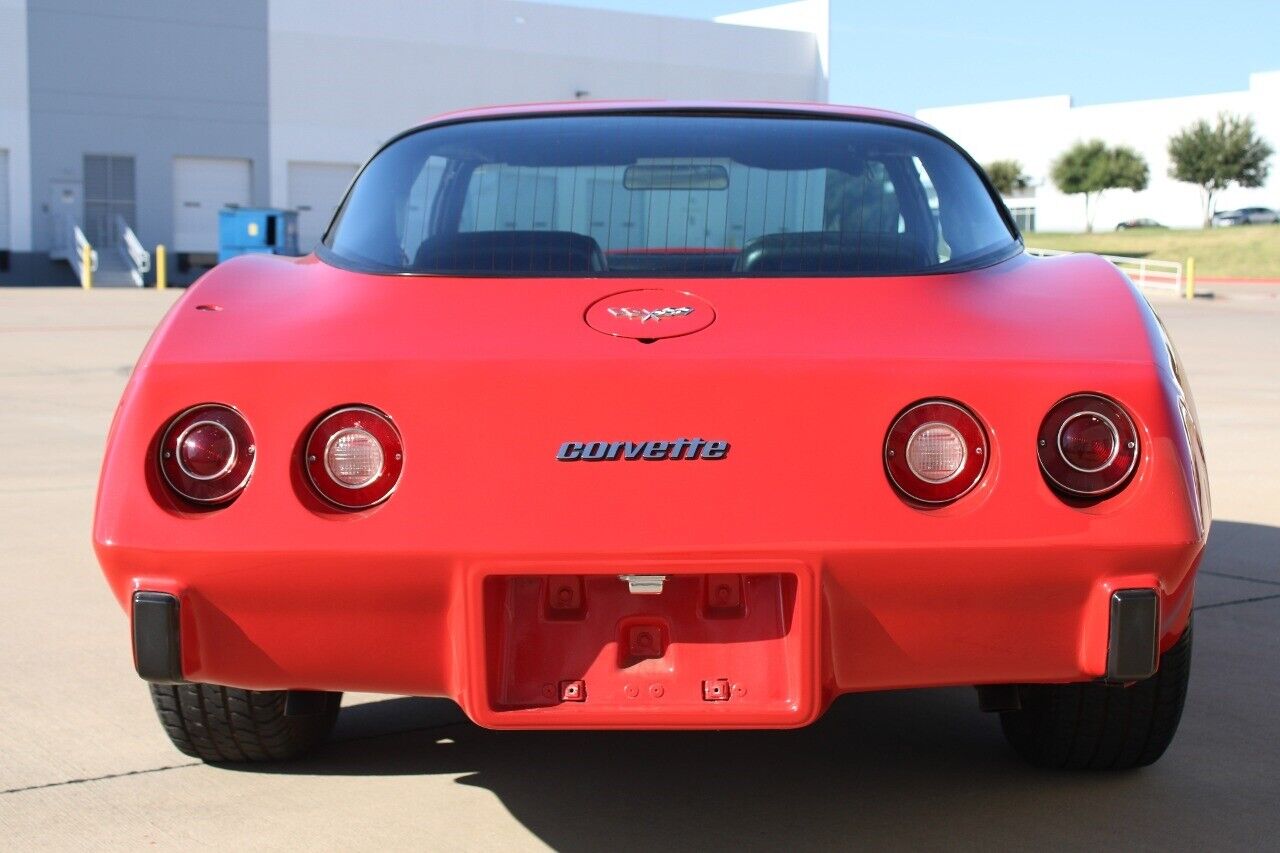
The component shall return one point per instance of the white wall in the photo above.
(4, 199)
(1035, 131)
(346, 76)
(15, 128)
(810, 16)
(314, 191)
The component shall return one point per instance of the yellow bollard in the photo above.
(86, 266)
(162, 270)
(1191, 278)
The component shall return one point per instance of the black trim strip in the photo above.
(157, 637)
(1133, 644)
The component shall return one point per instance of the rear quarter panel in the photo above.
(487, 377)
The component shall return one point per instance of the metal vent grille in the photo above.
(109, 190)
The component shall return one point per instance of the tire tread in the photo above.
(229, 724)
(1100, 726)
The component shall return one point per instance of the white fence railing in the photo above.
(1156, 275)
(130, 248)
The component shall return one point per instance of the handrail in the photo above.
(130, 248)
(1145, 272)
(82, 243)
(70, 245)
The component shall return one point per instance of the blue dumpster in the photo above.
(256, 230)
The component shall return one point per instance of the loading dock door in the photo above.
(202, 186)
(314, 191)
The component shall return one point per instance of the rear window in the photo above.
(668, 195)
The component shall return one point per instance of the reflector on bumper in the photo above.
(1133, 643)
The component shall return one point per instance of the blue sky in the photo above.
(907, 55)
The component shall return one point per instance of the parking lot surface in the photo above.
(83, 762)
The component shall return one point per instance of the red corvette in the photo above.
(659, 416)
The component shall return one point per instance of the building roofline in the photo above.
(1254, 78)
(804, 16)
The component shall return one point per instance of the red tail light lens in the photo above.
(1088, 446)
(354, 457)
(935, 452)
(207, 454)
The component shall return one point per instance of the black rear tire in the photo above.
(1101, 726)
(227, 724)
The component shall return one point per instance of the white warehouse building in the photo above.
(1034, 131)
(150, 116)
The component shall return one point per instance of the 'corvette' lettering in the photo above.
(649, 451)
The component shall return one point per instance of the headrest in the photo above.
(509, 252)
(868, 253)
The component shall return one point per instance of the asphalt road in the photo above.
(83, 762)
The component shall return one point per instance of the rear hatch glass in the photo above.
(688, 195)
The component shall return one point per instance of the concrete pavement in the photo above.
(83, 762)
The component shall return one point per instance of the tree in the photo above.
(1092, 168)
(1214, 157)
(1006, 176)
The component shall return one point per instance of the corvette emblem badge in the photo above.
(644, 315)
(649, 314)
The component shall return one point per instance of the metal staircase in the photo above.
(70, 245)
(124, 264)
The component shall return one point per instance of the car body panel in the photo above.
(844, 585)
(486, 378)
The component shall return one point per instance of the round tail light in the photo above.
(935, 452)
(207, 454)
(354, 457)
(1088, 446)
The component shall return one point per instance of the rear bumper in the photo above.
(811, 626)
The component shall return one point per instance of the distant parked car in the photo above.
(1138, 223)
(1245, 216)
